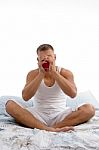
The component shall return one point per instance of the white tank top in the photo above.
(50, 98)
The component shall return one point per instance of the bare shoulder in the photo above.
(66, 73)
(32, 74)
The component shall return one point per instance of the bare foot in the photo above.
(63, 129)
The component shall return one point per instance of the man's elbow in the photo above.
(24, 96)
(74, 93)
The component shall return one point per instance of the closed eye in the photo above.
(42, 60)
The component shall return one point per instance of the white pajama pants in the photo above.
(49, 118)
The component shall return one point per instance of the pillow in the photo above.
(83, 97)
(4, 99)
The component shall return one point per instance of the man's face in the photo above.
(47, 55)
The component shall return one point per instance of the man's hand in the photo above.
(52, 67)
(41, 69)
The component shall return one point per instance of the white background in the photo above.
(70, 26)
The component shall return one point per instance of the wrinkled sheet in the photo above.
(15, 137)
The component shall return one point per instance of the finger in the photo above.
(50, 67)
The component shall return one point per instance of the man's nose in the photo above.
(45, 57)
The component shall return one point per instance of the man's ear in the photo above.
(55, 56)
(37, 59)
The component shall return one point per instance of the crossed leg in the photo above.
(81, 115)
(24, 117)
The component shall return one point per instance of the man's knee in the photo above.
(9, 105)
(88, 110)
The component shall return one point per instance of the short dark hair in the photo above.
(44, 47)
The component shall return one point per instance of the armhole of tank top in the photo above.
(59, 68)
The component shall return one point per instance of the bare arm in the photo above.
(33, 81)
(65, 80)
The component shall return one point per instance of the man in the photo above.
(48, 85)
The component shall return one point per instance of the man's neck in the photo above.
(48, 75)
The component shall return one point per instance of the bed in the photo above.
(15, 137)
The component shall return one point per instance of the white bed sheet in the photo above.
(15, 137)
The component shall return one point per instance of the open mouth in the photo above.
(46, 65)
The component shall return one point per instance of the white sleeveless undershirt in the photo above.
(50, 98)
